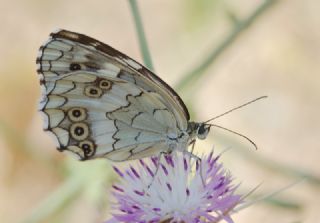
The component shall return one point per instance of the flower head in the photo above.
(174, 189)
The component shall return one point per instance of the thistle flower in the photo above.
(174, 189)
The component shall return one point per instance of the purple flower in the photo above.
(176, 189)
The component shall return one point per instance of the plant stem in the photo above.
(141, 35)
(240, 26)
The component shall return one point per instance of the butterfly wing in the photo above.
(99, 116)
(67, 51)
(103, 105)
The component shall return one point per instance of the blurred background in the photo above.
(274, 53)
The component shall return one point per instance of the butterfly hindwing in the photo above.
(94, 116)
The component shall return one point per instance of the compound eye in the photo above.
(203, 131)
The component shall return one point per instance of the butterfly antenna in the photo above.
(237, 133)
(236, 108)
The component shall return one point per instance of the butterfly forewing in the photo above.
(69, 51)
(99, 102)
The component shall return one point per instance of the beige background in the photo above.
(278, 56)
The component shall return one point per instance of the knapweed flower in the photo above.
(174, 189)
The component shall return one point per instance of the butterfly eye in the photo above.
(87, 147)
(79, 131)
(105, 84)
(203, 131)
(93, 92)
(77, 114)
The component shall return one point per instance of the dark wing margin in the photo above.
(100, 46)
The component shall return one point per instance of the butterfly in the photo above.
(98, 102)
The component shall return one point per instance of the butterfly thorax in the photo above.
(177, 140)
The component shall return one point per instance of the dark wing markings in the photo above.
(159, 109)
(86, 40)
(135, 116)
(114, 135)
(137, 136)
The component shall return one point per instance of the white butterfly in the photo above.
(99, 102)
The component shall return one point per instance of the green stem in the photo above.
(141, 35)
(240, 26)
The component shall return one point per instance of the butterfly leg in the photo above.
(198, 159)
(158, 164)
(198, 162)
(193, 143)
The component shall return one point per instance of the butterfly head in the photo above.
(199, 130)
(203, 130)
